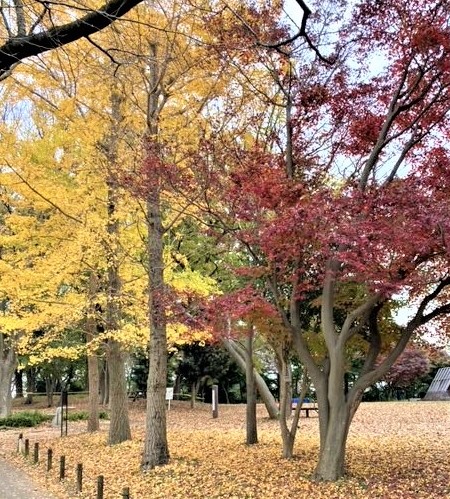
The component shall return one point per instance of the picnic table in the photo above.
(307, 406)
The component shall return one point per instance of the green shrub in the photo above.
(25, 419)
(84, 415)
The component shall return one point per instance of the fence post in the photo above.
(36, 453)
(100, 487)
(79, 477)
(27, 447)
(126, 493)
(49, 459)
(62, 467)
(215, 401)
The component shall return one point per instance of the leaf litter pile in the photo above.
(395, 449)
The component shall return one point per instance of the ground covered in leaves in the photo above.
(396, 449)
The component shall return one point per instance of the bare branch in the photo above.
(18, 48)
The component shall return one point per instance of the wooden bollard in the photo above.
(27, 447)
(62, 467)
(215, 401)
(100, 484)
(36, 453)
(79, 477)
(49, 459)
(20, 443)
(126, 493)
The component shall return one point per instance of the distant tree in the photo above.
(409, 367)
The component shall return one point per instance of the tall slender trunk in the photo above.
(104, 382)
(285, 376)
(31, 384)
(251, 422)
(93, 423)
(288, 434)
(50, 385)
(18, 379)
(194, 389)
(156, 450)
(8, 364)
(119, 428)
(238, 356)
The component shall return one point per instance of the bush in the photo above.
(84, 416)
(24, 419)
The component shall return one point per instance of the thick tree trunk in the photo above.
(8, 364)
(331, 464)
(119, 427)
(238, 356)
(251, 423)
(18, 379)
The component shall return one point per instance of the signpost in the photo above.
(64, 416)
(169, 396)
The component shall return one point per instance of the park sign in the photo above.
(169, 396)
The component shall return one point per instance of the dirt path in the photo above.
(15, 484)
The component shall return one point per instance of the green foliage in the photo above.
(26, 419)
(84, 416)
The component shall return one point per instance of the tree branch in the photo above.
(18, 48)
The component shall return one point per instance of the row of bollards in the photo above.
(24, 444)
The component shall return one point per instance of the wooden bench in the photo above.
(307, 407)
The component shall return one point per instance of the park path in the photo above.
(15, 484)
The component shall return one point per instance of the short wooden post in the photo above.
(36, 453)
(49, 459)
(62, 467)
(126, 493)
(215, 401)
(20, 443)
(27, 447)
(100, 481)
(79, 477)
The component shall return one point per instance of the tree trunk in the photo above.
(156, 450)
(251, 423)
(285, 377)
(331, 464)
(18, 376)
(238, 356)
(93, 423)
(288, 434)
(50, 384)
(119, 427)
(8, 364)
(194, 388)
(104, 382)
(31, 384)
(93, 375)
